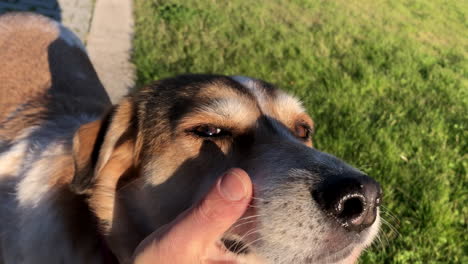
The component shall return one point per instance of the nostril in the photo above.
(352, 201)
(350, 207)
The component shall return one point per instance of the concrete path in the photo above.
(106, 26)
(77, 15)
(110, 43)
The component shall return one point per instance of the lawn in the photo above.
(385, 81)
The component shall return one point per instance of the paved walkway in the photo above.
(105, 26)
(77, 15)
(110, 44)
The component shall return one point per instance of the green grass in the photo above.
(385, 81)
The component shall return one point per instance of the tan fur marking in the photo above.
(63, 175)
(12, 125)
(286, 107)
(120, 124)
(24, 70)
(112, 164)
(233, 113)
(103, 198)
(216, 90)
(84, 141)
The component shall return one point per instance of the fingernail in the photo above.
(232, 187)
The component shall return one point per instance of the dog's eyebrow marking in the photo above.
(226, 107)
(234, 109)
(254, 87)
(280, 104)
(287, 107)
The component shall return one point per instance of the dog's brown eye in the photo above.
(210, 131)
(303, 131)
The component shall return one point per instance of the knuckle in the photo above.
(207, 212)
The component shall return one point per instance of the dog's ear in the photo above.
(105, 149)
(86, 144)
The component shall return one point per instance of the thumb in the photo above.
(217, 212)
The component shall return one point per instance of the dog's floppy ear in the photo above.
(105, 149)
(86, 144)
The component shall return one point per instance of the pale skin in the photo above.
(194, 237)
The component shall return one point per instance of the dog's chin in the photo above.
(340, 248)
(340, 251)
(347, 255)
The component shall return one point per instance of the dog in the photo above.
(83, 181)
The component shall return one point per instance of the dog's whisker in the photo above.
(260, 199)
(251, 216)
(393, 228)
(379, 239)
(382, 237)
(130, 184)
(390, 219)
(387, 223)
(387, 212)
(243, 223)
(262, 237)
(386, 239)
(253, 206)
(251, 243)
(253, 230)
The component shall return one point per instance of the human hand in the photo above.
(194, 236)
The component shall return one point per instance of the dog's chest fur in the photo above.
(41, 221)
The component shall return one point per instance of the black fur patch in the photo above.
(84, 178)
(236, 246)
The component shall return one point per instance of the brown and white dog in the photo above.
(80, 178)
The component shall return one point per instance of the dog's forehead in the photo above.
(272, 101)
(243, 100)
(236, 100)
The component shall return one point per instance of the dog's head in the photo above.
(161, 149)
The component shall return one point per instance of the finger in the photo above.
(224, 204)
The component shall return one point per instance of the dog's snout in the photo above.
(351, 199)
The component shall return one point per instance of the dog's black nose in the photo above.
(351, 199)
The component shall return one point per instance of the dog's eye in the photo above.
(303, 131)
(210, 131)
